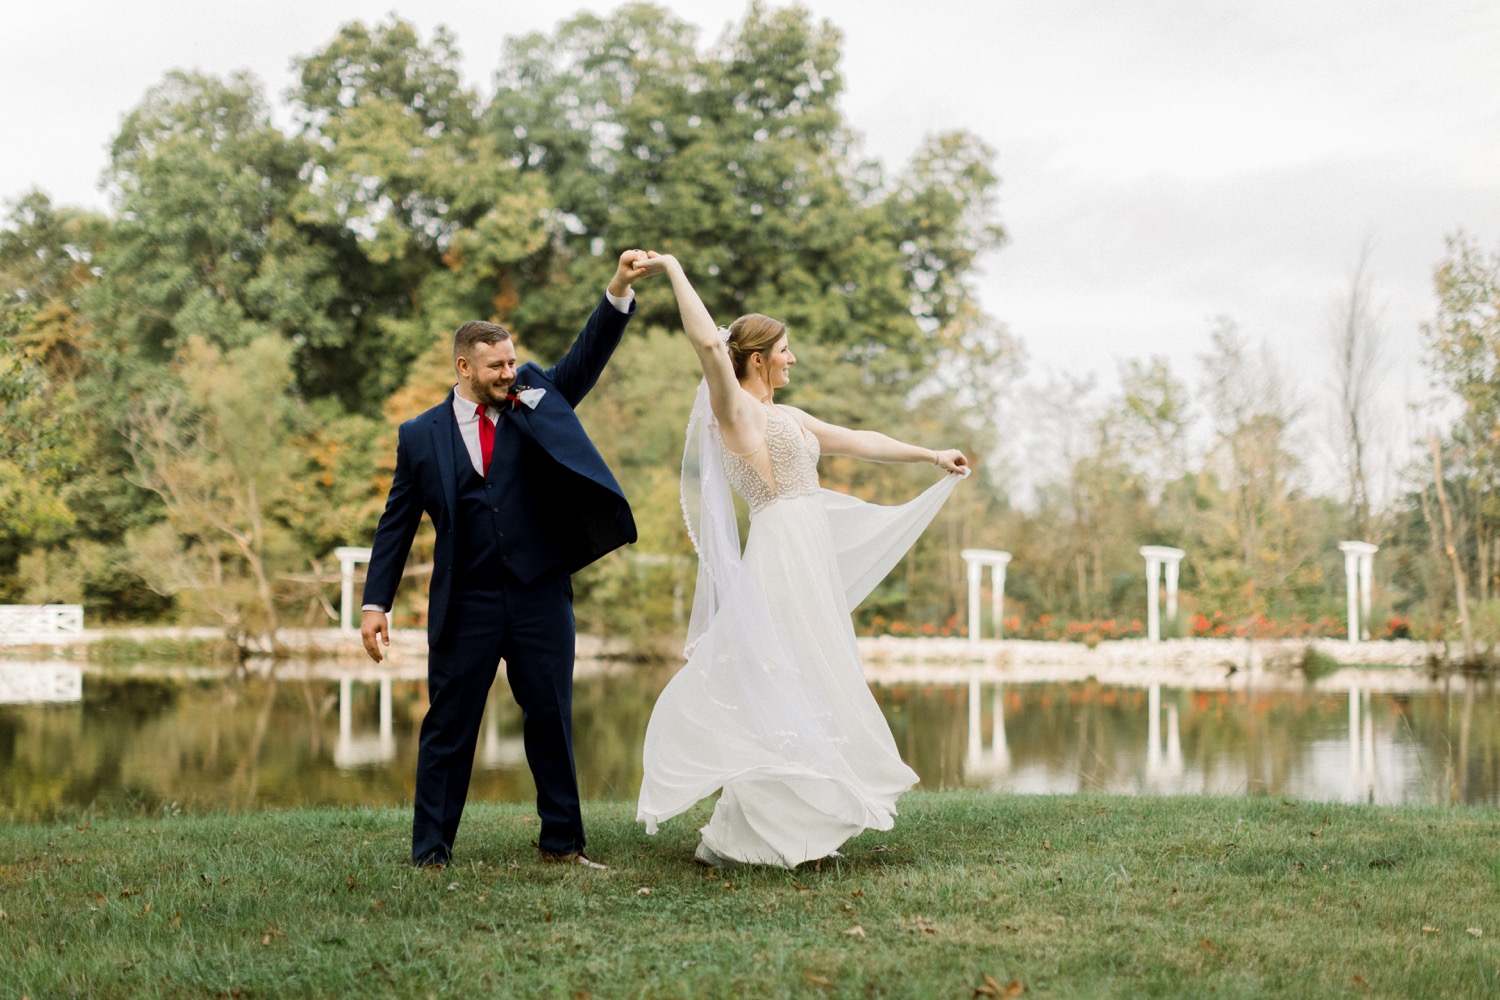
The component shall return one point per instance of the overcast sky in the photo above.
(1163, 162)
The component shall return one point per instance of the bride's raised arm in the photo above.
(733, 408)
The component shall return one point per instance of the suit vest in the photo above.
(497, 519)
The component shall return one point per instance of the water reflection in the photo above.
(328, 735)
(1438, 745)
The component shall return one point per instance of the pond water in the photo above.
(203, 739)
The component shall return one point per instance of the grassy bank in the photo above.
(1063, 897)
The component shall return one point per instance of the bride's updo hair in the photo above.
(752, 334)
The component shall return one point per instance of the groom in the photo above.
(520, 500)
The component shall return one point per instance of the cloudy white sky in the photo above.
(1163, 161)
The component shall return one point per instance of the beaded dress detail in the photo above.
(793, 462)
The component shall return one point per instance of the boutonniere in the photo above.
(525, 394)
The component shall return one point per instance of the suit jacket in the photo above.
(588, 513)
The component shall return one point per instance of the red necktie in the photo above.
(486, 440)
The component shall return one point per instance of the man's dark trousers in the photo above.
(530, 626)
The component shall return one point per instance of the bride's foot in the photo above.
(708, 858)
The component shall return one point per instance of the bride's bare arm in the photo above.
(732, 406)
(873, 446)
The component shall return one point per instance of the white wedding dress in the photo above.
(772, 704)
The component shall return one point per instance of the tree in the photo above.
(208, 242)
(215, 444)
(1260, 553)
(1463, 352)
(738, 161)
(1355, 340)
(424, 213)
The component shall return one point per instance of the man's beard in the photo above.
(493, 395)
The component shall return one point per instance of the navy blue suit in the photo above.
(506, 545)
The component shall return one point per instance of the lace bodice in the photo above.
(790, 454)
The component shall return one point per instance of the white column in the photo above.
(1153, 598)
(976, 580)
(1366, 587)
(976, 560)
(998, 591)
(1359, 571)
(1158, 556)
(348, 555)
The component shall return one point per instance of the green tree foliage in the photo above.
(207, 242)
(737, 160)
(1463, 349)
(215, 442)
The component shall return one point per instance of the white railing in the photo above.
(23, 623)
(22, 683)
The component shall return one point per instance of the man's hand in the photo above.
(375, 630)
(632, 267)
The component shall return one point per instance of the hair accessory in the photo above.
(723, 334)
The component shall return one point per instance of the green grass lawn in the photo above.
(971, 895)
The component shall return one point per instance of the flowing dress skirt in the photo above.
(772, 705)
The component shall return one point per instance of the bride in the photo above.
(772, 705)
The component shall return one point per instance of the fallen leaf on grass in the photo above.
(127, 893)
(818, 980)
(858, 932)
(1429, 929)
(1359, 980)
(351, 882)
(800, 887)
(1207, 945)
(992, 988)
(379, 904)
(922, 925)
(1382, 863)
(547, 917)
(1472, 931)
(643, 891)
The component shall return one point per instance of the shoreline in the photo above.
(1222, 664)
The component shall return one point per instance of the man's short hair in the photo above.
(476, 331)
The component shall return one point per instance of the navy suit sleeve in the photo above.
(581, 367)
(393, 535)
